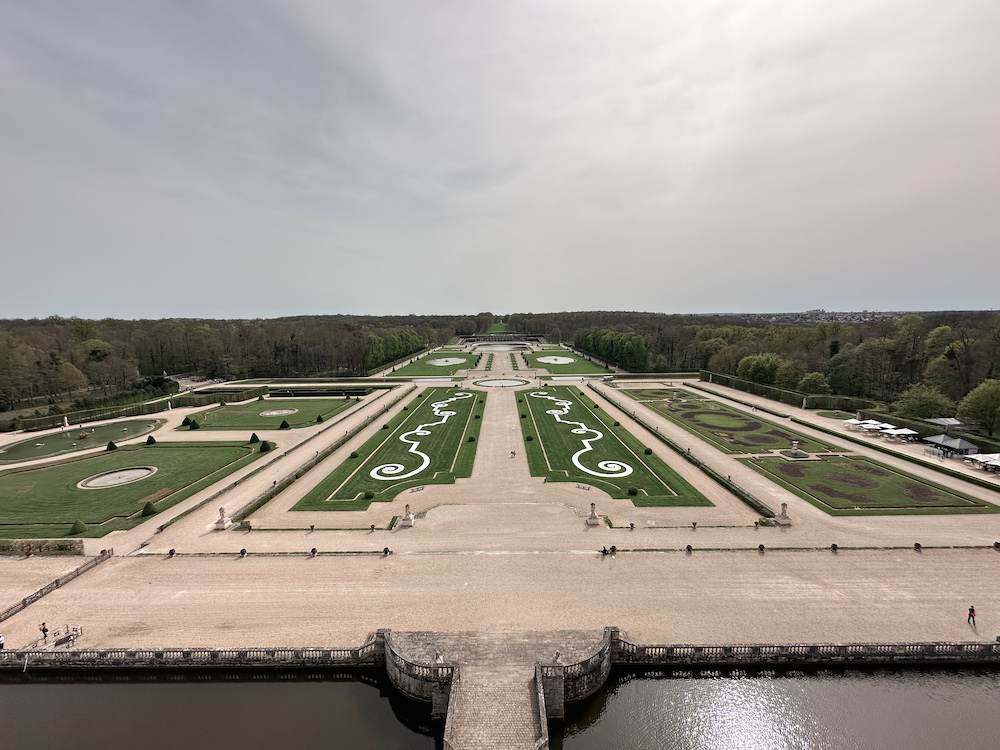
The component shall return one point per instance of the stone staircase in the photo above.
(493, 709)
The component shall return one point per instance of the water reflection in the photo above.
(248, 711)
(877, 710)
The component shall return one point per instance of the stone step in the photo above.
(487, 713)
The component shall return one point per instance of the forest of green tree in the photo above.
(55, 359)
(920, 363)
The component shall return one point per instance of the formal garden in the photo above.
(432, 441)
(568, 438)
(73, 439)
(440, 364)
(727, 429)
(844, 486)
(269, 414)
(116, 489)
(563, 362)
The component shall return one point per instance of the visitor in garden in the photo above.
(972, 616)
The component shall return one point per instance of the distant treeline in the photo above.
(946, 354)
(65, 359)
(949, 353)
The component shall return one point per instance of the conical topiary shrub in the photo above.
(319, 418)
(149, 509)
(186, 421)
(78, 527)
(265, 447)
(254, 439)
(151, 440)
(194, 425)
(111, 446)
(284, 425)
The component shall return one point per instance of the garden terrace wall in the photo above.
(106, 554)
(792, 398)
(41, 546)
(134, 410)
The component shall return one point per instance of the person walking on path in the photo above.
(1, 643)
(972, 616)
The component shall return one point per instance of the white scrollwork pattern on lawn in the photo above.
(394, 472)
(608, 469)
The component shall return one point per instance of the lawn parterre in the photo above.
(270, 413)
(429, 443)
(733, 431)
(660, 393)
(578, 365)
(75, 439)
(45, 501)
(850, 486)
(440, 363)
(574, 442)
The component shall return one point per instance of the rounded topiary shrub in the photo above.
(633, 491)
(596, 406)
(78, 527)
(151, 440)
(472, 438)
(111, 446)
(618, 424)
(284, 425)
(186, 421)
(520, 401)
(478, 417)
(528, 438)
(354, 454)
(385, 427)
(194, 425)
(406, 408)
(319, 418)
(265, 447)
(254, 439)
(648, 451)
(524, 416)
(369, 494)
(149, 509)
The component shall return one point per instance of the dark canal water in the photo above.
(908, 710)
(244, 711)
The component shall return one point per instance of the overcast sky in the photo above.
(255, 158)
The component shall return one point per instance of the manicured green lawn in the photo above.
(615, 461)
(579, 365)
(248, 416)
(733, 431)
(835, 414)
(75, 439)
(423, 368)
(661, 394)
(859, 486)
(402, 458)
(44, 502)
(500, 328)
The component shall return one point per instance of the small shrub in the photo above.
(354, 454)
(528, 438)
(385, 427)
(265, 446)
(111, 446)
(477, 417)
(319, 418)
(260, 397)
(648, 451)
(78, 527)
(254, 439)
(151, 440)
(284, 425)
(406, 408)
(149, 509)
(524, 416)
(618, 424)
(186, 422)
(472, 438)
(596, 406)
(633, 491)
(194, 425)
(369, 494)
